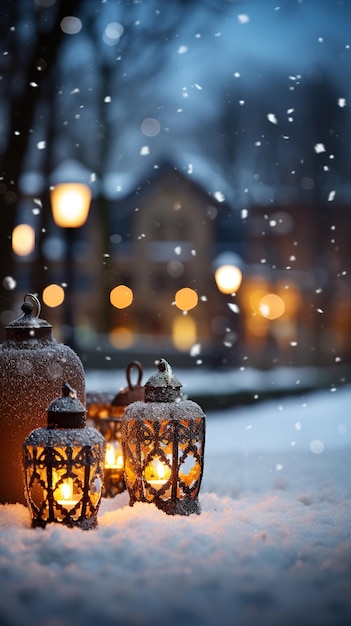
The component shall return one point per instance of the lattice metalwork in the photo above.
(163, 447)
(104, 412)
(63, 467)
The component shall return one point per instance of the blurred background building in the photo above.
(209, 134)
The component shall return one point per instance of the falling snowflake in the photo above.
(195, 350)
(243, 18)
(182, 49)
(9, 283)
(233, 307)
(319, 147)
(41, 145)
(342, 102)
(272, 118)
(331, 195)
(144, 151)
(219, 196)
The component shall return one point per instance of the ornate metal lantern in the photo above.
(106, 415)
(63, 466)
(32, 364)
(163, 442)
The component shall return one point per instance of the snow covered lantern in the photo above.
(106, 416)
(163, 442)
(32, 364)
(63, 466)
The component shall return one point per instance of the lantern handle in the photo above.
(35, 300)
(139, 367)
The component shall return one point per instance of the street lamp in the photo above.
(70, 203)
(228, 272)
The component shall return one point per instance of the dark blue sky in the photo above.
(226, 91)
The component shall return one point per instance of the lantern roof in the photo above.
(66, 411)
(27, 320)
(162, 386)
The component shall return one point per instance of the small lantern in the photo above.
(32, 364)
(163, 442)
(107, 418)
(63, 466)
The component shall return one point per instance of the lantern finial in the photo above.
(163, 386)
(67, 390)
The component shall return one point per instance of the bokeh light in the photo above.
(121, 297)
(23, 239)
(184, 332)
(228, 278)
(70, 204)
(53, 295)
(121, 337)
(272, 306)
(186, 299)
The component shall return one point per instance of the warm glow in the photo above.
(65, 495)
(121, 337)
(23, 239)
(113, 456)
(66, 491)
(70, 204)
(272, 306)
(256, 298)
(289, 292)
(157, 473)
(53, 295)
(186, 299)
(121, 297)
(228, 278)
(184, 332)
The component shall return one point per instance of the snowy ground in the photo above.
(271, 546)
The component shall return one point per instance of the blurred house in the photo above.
(165, 237)
(137, 252)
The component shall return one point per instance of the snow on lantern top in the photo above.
(27, 326)
(163, 386)
(66, 411)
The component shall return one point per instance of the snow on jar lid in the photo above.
(163, 386)
(28, 326)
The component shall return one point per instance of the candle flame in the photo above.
(113, 455)
(66, 491)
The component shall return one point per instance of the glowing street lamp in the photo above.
(70, 203)
(228, 274)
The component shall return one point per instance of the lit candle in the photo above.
(113, 456)
(66, 497)
(157, 473)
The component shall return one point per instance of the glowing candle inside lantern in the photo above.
(157, 473)
(113, 455)
(66, 497)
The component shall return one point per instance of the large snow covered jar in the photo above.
(32, 366)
